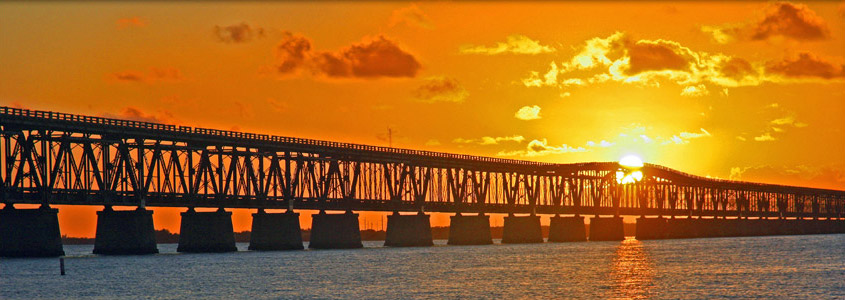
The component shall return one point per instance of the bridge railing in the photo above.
(252, 136)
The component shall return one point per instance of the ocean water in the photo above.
(805, 267)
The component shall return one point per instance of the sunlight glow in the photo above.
(631, 162)
(632, 177)
(630, 173)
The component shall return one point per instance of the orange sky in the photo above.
(742, 90)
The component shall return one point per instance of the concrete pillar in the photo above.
(651, 229)
(470, 230)
(708, 227)
(30, 232)
(275, 232)
(682, 228)
(408, 230)
(775, 226)
(206, 232)
(125, 232)
(567, 229)
(522, 230)
(735, 227)
(606, 229)
(335, 231)
(792, 227)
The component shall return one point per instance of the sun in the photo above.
(630, 172)
(631, 162)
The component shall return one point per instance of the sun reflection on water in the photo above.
(632, 273)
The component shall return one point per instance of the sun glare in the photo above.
(631, 162)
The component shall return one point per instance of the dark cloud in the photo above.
(292, 53)
(154, 75)
(238, 33)
(380, 57)
(656, 56)
(128, 76)
(135, 114)
(736, 68)
(440, 89)
(806, 65)
(795, 21)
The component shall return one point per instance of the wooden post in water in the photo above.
(62, 265)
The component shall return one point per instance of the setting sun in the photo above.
(631, 162)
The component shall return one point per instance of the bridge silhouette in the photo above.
(56, 158)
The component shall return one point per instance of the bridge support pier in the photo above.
(275, 232)
(408, 230)
(30, 232)
(651, 229)
(567, 229)
(682, 228)
(606, 229)
(522, 230)
(206, 232)
(335, 231)
(125, 232)
(470, 230)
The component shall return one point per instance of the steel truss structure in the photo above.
(57, 158)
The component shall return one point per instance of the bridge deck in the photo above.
(58, 158)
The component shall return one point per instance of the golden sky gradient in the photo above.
(752, 91)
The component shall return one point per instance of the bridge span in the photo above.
(51, 158)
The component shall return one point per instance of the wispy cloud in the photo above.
(488, 140)
(155, 74)
(411, 16)
(238, 33)
(514, 44)
(542, 148)
(765, 137)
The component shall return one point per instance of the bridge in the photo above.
(51, 158)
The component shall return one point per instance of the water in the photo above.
(805, 267)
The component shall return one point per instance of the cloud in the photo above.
(806, 65)
(795, 21)
(440, 89)
(432, 142)
(528, 113)
(153, 75)
(602, 144)
(649, 63)
(779, 20)
(695, 91)
(542, 148)
(766, 137)
(788, 120)
(379, 57)
(238, 33)
(278, 106)
(684, 137)
(130, 22)
(514, 44)
(488, 140)
(411, 16)
(136, 114)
